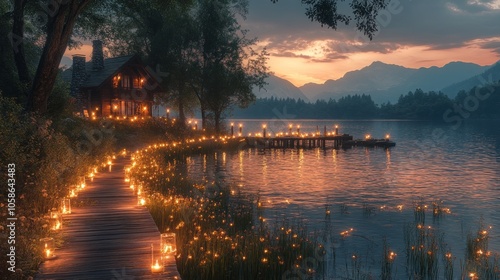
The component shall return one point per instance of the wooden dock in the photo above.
(107, 236)
(306, 142)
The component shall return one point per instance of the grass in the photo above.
(423, 245)
(480, 263)
(388, 262)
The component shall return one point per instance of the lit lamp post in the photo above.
(264, 130)
(241, 129)
(298, 129)
(232, 129)
(387, 137)
(48, 248)
(336, 130)
(168, 114)
(290, 129)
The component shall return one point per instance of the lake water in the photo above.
(373, 190)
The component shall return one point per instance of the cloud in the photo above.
(289, 54)
(492, 44)
(443, 24)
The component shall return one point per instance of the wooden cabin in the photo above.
(113, 87)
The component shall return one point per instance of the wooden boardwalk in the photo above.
(291, 142)
(107, 236)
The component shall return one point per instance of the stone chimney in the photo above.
(97, 55)
(79, 74)
(78, 77)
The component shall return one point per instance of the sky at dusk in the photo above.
(413, 34)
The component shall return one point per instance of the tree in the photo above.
(224, 65)
(58, 30)
(169, 48)
(365, 13)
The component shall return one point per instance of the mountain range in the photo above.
(279, 88)
(387, 82)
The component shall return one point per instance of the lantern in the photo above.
(48, 248)
(66, 206)
(156, 267)
(168, 245)
(55, 220)
(73, 192)
(141, 201)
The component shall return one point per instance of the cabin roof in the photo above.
(96, 78)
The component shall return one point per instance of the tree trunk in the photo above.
(203, 118)
(60, 28)
(180, 104)
(17, 38)
(217, 122)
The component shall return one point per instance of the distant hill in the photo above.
(386, 82)
(489, 76)
(279, 88)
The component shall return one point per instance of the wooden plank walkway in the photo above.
(291, 142)
(108, 236)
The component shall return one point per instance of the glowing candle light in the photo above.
(298, 129)
(66, 206)
(232, 129)
(155, 265)
(48, 248)
(55, 220)
(264, 126)
(241, 128)
(168, 245)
